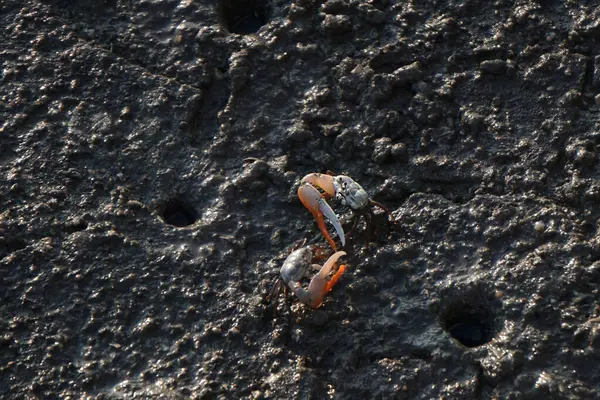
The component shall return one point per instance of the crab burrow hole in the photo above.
(178, 213)
(470, 321)
(243, 17)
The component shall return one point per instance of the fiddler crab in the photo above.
(346, 190)
(296, 266)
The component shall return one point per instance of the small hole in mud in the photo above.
(470, 326)
(178, 213)
(243, 17)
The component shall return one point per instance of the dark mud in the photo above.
(150, 153)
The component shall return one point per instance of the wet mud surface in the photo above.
(150, 154)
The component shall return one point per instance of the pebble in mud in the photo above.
(399, 152)
(382, 150)
(472, 121)
(344, 143)
(583, 153)
(584, 157)
(253, 171)
(336, 24)
(371, 14)
(334, 6)
(299, 133)
(495, 67)
(408, 74)
(539, 226)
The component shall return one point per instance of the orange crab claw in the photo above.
(316, 204)
(335, 278)
(322, 181)
(319, 287)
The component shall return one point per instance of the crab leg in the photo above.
(316, 204)
(384, 208)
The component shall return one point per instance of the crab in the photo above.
(343, 188)
(296, 266)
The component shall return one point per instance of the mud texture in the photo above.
(150, 153)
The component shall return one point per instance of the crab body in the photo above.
(350, 193)
(296, 265)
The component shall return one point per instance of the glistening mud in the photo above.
(130, 128)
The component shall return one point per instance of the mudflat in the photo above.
(150, 157)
